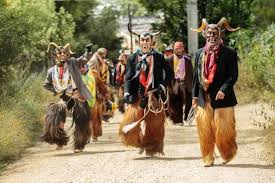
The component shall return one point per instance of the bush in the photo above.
(257, 66)
(28, 28)
(21, 117)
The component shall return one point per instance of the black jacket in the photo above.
(225, 77)
(163, 74)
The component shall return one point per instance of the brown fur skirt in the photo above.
(149, 134)
(216, 127)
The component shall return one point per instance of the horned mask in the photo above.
(60, 53)
(213, 32)
(145, 39)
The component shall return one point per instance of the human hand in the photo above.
(126, 98)
(220, 95)
(160, 89)
(89, 47)
(194, 102)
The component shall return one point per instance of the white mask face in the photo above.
(145, 42)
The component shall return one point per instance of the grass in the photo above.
(21, 118)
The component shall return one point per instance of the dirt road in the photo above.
(109, 161)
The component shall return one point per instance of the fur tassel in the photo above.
(129, 127)
(81, 119)
(53, 134)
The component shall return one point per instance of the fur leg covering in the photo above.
(225, 133)
(153, 138)
(204, 119)
(81, 119)
(121, 107)
(53, 134)
(96, 120)
(132, 114)
(148, 134)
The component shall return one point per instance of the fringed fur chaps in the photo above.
(149, 134)
(96, 119)
(216, 127)
(53, 134)
(97, 109)
(81, 119)
(121, 107)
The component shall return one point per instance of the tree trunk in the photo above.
(192, 22)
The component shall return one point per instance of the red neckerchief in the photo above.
(61, 71)
(143, 79)
(210, 66)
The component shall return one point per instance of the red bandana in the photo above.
(210, 66)
(147, 80)
(61, 72)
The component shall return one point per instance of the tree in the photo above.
(103, 31)
(93, 27)
(174, 21)
(29, 27)
(263, 12)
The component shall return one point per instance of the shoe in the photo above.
(225, 162)
(77, 151)
(59, 148)
(141, 150)
(208, 164)
(94, 139)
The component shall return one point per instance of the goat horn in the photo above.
(204, 23)
(156, 33)
(51, 44)
(69, 48)
(224, 22)
(130, 30)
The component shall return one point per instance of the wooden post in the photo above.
(192, 22)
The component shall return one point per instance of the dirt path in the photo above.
(109, 161)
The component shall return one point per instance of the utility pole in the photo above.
(192, 22)
(130, 25)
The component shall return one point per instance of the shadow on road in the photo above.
(248, 166)
(168, 158)
(89, 153)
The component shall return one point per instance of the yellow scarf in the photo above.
(89, 81)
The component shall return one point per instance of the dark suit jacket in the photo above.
(225, 77)
(163, 74)
(188, 71)
(74, 65)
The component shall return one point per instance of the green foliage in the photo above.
(98, 28)
(80, 11)
(257, 69)
(21, 116)
(103, 33)
(136, 7)
(29, 27)
(174, 17)
(263, 12)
